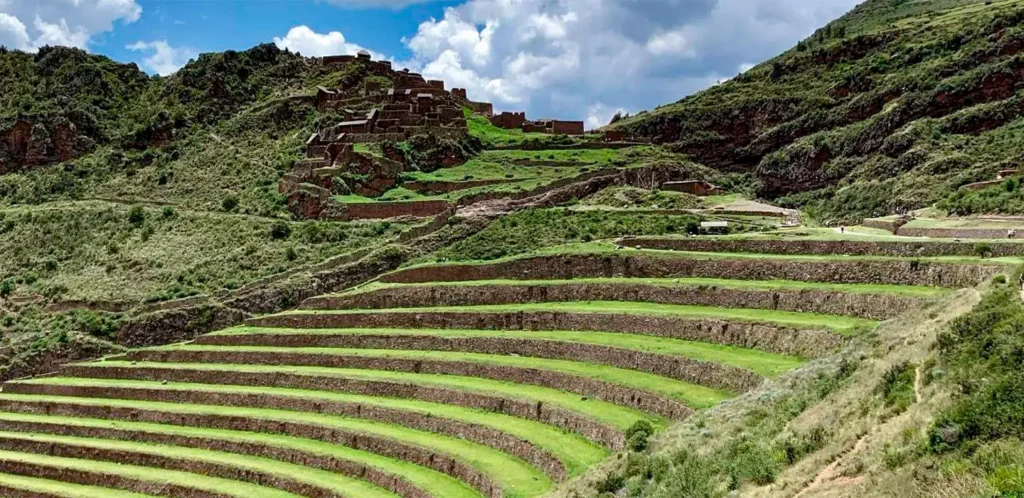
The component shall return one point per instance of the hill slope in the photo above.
(894, 105)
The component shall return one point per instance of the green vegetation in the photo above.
(903, 290)
(608, 413)
(1005, 198)
(536, 229)
(212, 485)
(894, 105)
(632, 197)
(575, 452)
(513, 475)
(427, 479)
(343, 485)
(692, 394)
(61, 489)
(107, 252)
(755, 453)
(897, 386)
(492, 136)
(781, 318)
(767, 364)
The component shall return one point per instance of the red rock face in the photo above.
(33, 144)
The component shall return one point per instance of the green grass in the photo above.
(760, 362)
(694, 395)
(574, 451)
(62, 489)
(515, 476)
(782, 318)
(793, 285)
(342, 485)
(614, 415)
(481, 127)
(429, 480)
(195, 481)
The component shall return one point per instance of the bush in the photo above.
(168, 212)
(280, 230)
(983, 250)
(6, 287)
(229, 203)
(638, 434)
(897, 386)
(136, 216)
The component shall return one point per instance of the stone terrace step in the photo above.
(130, 477)
(875, 306)
(678, 367)
(265, 472)
(771, 337)
(593, 419)
(546, 448)
(905, 249)
(492, 473)
(14, 486)
(650, 264)
(641, 391)
(399, 478)
(761, 362)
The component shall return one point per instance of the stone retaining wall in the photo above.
(384, 210)
(439, 187)
(892, 272)
(11, 492)
(395, 484)
(675, 367)
(143, 459)
(954, 233)
(872, 306)
(552, 415)
(487, 436)
(888, 226)
(826, 247)
(357, 440)
(763, 336)
(584, 386)
(101, 479)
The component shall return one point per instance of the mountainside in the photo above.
(894, 105)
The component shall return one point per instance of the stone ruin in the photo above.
(517, 120)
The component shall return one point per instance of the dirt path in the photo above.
(917, 384)
(830, 473)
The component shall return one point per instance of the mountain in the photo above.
(894, 105)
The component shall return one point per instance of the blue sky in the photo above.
(571, 59)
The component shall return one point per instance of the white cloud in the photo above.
(599, 115)
(30, 24)
(163, 59)
(309, 43)
(587, 59)
(386, 4)
(13, 33)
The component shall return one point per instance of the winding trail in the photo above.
(829, 473)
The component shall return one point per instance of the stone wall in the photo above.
(872, 306)
(513, 406)
(433, 188)
(892, 272)
(908, 249)
(146, 459)
(671, 366)
(99, 479)
(954, 233)
(392, 448)
(423, 421)
(384, 210)
(584, 386)
(763, 336)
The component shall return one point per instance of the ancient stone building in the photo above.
(517, 120)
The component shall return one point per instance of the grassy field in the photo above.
(492, 136)
(427, 479)
(766, 285)
(213, 485)
(617, 416)
(343, 485)
(517, 478)
(575, 452)
(781, 318)
(763, 363)
(46, 487)
(692, 394)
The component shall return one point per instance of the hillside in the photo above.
(894, 105)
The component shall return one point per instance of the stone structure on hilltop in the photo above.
(517, 120)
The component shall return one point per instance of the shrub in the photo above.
(136, 216)
(290, 254)
(6, 287)
(983, 249)
(897, 386)
(168, 212)
(229, 203)
(280, 230)
(638, 434)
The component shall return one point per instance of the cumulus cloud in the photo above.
(163, 59)
(28, 25)
(304, 40)
(587, 59)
